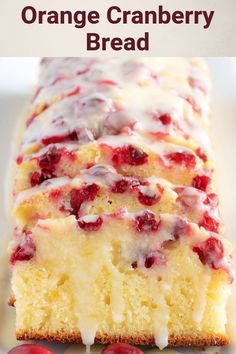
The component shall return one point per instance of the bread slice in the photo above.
(130, 155)
(121, 276)
(101, 189)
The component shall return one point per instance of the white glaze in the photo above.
(139, 89)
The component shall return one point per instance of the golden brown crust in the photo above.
(136, 339)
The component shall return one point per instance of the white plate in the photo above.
(18, 76)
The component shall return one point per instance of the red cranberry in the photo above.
(60, 138)
(212, 200)
(182, 158)
(146, 222)
(91, 225)
(134, 265)
(165, 119)
(73, 92)
(209, 223)
(46, 174)
(50, 159)
(30, 349)
(180, 228)
(78, 196)
(200, 153)
(55, 195)
(19, 160)
(82, 71)
(153, 259)
(107, 82)
(160, 188)
(36, 178)
(210, 252)
(201, 182)
(134, 156)
(149, 261)
(120, 186)
(47, 162)
(25, 251)
(121, 348)
(193, 103)
(147, 199)
(134, 183)
(129, 155)
(89, 165)
(69, 155)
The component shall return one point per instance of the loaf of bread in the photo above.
(117, 231)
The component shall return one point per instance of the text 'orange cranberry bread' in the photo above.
(117, 230)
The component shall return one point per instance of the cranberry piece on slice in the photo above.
(78, 196)
(134, 265)
(146, 222)
(60, 138)
(209, 223)
(149, 200)
(19, 160)
(149, 261)
(73, 92)
(120, 186)
(134, 156)
(200, 153)
(93, 225)
(155, 258)
(165, 119)
(24, 251)
(134, 183)
(76, 200)
(210, 252)
(36, 178)
(212, 200)
(121, 348)
(182, 158)
(107, 82)
(181, 228)
(49, 160)
(129, 155)
(55, 195)
(201, 182)
(30, 349)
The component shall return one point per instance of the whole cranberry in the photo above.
(121, 348)
(30, 349)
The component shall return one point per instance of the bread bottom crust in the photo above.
(136, 339)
